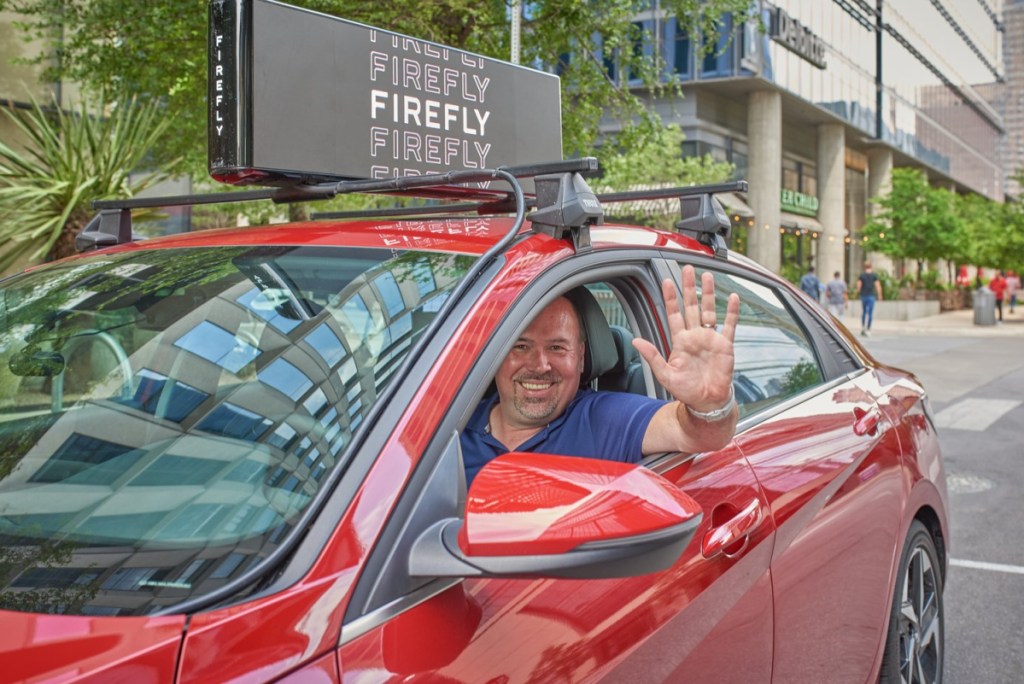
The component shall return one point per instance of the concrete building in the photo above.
(1010, 99)
(817, 107)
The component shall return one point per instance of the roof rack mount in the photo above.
(701, 215)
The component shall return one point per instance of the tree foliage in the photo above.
(657, 160)
(157, 49)
(67, 160)
(914, 221)
(924, 223)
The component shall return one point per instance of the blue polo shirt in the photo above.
(606, 425)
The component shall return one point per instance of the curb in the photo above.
(950, 324)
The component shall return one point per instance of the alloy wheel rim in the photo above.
(920, 622)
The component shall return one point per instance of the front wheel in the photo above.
(914, 643)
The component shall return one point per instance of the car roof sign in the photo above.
(296, 96)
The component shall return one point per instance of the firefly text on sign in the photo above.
(425, 107)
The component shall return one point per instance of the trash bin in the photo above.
(984, 306)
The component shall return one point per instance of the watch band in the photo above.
(717, 414)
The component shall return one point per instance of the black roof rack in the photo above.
(113, 224)
(564, 202)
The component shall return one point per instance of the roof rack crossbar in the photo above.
(666, 193)
(185, 200)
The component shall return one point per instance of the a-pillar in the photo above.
(831, 199)
(879, 185)
(764, 160)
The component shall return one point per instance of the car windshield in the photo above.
(167, 415)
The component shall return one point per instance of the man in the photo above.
(869, 288)
(811, 285)
(540, 407)
(836, 296)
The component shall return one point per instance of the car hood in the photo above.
(35, 648)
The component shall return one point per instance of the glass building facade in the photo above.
(818, 100)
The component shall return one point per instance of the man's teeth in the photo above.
(536, 385)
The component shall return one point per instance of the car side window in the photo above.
(775, 359)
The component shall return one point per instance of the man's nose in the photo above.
(539, 360)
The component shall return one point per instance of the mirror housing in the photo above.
(540, 515)
(35, 362)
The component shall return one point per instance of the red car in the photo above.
(234, 456)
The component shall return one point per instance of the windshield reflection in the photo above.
(165, 416)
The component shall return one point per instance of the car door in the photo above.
(706, 618)
(828, 460)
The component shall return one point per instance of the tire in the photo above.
(914, 644)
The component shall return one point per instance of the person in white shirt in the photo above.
(836, 296)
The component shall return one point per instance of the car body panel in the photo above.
(834, 495)
(583, 630)
(50, 648)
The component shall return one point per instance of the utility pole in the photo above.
(517, 24)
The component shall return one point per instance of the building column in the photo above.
(879, 185)
(831, 199)
(764, 160)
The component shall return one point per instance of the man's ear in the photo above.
(582, 357)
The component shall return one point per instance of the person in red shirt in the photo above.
(998, 286)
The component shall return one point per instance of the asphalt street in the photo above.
(975, 378)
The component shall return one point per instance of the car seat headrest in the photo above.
(626, 353)
(600, 355)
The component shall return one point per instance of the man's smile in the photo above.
(537, 384)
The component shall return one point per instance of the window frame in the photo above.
(384, 588)
(818, 336)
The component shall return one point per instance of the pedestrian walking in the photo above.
(998, 286)
(811, 285)
(836, 296)
(869, 289)
(1012, 286)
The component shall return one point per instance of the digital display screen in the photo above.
(300, 96)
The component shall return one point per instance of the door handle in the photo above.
(731, 537)
(867, 421)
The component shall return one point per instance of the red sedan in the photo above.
(235, 456)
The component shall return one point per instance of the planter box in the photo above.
(897, 310)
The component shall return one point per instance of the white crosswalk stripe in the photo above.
(974, 414)
(993, 567)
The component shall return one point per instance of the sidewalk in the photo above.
(949, 324)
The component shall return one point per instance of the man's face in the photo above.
(541, 373)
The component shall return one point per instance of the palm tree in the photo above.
(67, 160)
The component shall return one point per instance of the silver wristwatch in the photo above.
(717, 414)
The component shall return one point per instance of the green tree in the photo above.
(157, 49)
(979, 216)
(657, 160)
(915, 221)
(652, 162)
(67, 160)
